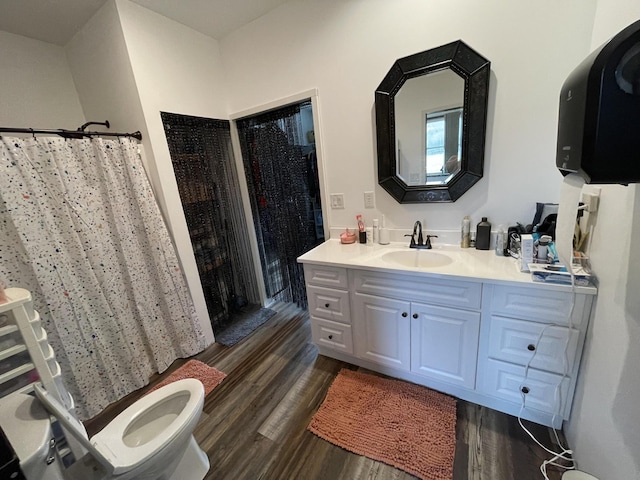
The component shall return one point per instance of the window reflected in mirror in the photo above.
(443, 144)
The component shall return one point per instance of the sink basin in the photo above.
(417, 258)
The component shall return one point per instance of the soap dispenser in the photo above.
(483, 235)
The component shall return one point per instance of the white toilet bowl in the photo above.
(147, 441)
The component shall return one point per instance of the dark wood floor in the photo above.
(254, 424)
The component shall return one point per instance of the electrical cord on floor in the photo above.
(566, 454)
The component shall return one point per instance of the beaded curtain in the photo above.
(282, 178)
(204, 167)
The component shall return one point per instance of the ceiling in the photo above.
(57, 21)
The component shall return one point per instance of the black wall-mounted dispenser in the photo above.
(599, 119)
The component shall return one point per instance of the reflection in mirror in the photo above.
(429, 128)
(431, 111)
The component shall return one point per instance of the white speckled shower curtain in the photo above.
(80, 228)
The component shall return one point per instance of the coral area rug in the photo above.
(404, 425)
(209, 376)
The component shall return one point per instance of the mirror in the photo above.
(431, 111)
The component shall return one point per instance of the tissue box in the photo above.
(526, 251)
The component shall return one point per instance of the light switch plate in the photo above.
(369, 200)
(337, 200)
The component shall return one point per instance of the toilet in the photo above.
(150, 440)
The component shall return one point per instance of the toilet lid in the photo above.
(123, 458)
(70, 423)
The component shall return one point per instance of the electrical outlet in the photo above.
(591, 200)
(369, 200)
(337, 200)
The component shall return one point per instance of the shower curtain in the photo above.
(80, 228)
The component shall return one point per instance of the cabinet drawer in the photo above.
(539, 305)
(413, 288)
(334, 277)
(515, 341)
(506, 381)
(329, 303)
(336, 336)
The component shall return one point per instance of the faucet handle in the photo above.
(428, 242)
(413, 239)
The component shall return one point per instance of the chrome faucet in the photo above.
(417, 239)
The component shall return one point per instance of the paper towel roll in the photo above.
(567, 212)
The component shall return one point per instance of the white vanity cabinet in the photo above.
(408, 323)
(329, 307)
(478, 329)
(530, 348)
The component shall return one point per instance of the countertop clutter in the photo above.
(447, 261)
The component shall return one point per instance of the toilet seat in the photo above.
(108, 446)
(109, 441)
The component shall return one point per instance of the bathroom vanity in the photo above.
(461, 321)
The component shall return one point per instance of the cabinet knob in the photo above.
(327, 305)
(531, 347)
(524, 390)
(404, 314)
(415, 315)
(330, 337)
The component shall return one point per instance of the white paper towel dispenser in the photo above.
(599, 118)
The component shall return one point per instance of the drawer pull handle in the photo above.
(404, 314)
(415, 315)
(330, 337)
(327, 305)
(525, 390)
(531, 347)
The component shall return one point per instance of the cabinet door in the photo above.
(381, 330)
(444, 343)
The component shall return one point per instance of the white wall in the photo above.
(603, 429)
(36, 87)
(130, 63)
(177, 70)
(345, 48)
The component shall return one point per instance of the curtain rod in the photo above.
(79, 133)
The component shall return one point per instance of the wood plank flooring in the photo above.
(254, 424)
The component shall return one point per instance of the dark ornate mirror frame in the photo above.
(474, 69)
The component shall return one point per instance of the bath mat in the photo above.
(209, 376)
(243, 324)
(404, 425)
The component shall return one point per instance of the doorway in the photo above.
(280, 163)
(205, 171)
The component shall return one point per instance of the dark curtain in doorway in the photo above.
(205, 170)
(281, 170)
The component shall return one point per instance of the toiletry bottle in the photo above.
(362, 234)
(500, 235)
(472, 240)
(483, 235)
(465, 234)
(369, 233)
(376, 231)
(384, 233)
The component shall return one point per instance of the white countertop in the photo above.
(449, 261)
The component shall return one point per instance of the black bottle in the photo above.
(483, 235)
